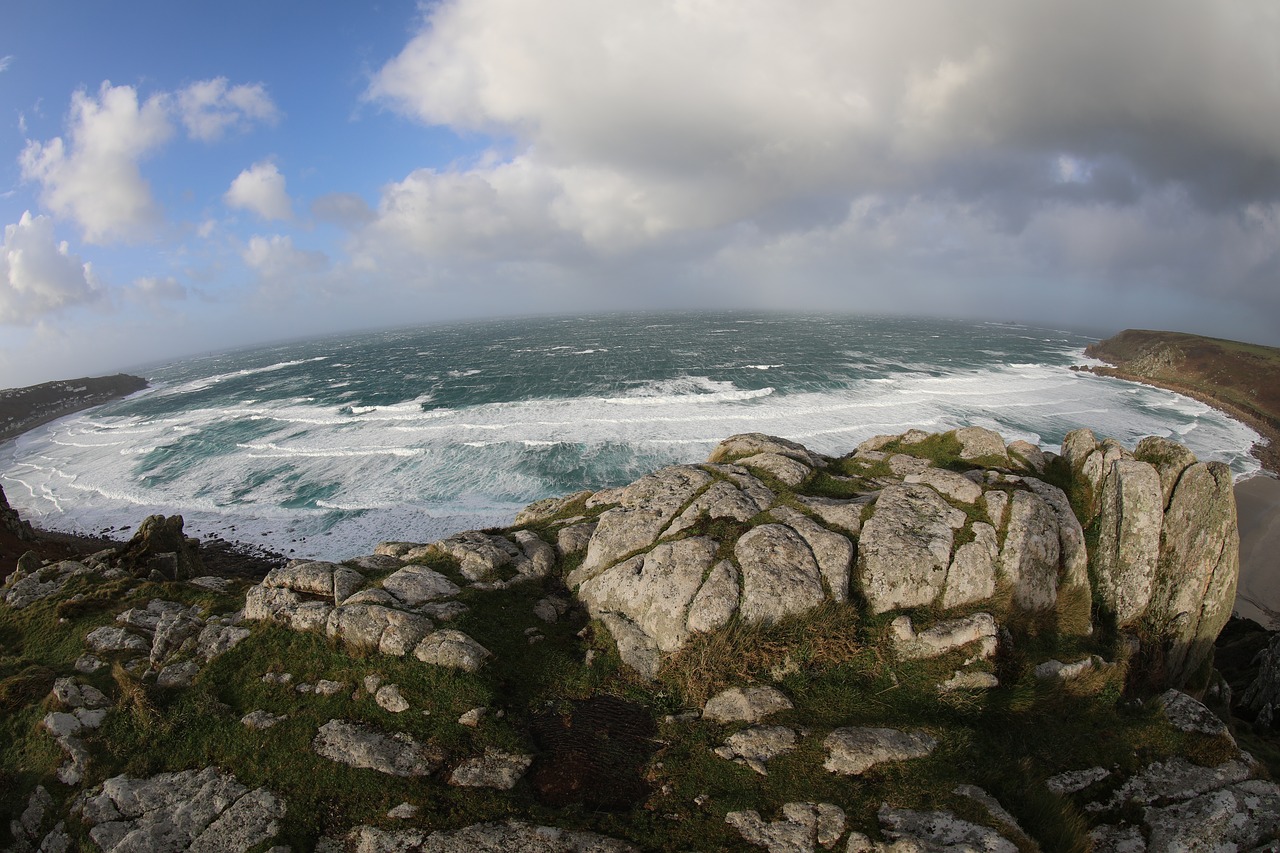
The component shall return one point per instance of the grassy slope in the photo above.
(1242, 378)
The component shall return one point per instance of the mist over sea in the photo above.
(325, 447)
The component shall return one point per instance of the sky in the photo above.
(179, 178)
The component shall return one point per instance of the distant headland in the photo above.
(1241, 379)
(22, 409)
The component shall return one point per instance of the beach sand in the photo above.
(1258, 511)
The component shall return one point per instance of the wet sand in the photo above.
(1258, 512)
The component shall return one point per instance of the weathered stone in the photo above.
(1076, 780)
(784, 469)
(647, 506)
(939, 830)
(1173, 780)
(905, 548)
(1073, 554)
(414, 585)
(356, 745)
(370, 626)
(779, 574)
(326, 687)
(1264, 691)
(846, 514)
(833, 552)
(310, 616)
(1169, 458)
(757, 745)
(949, 484)
(404, 811)
(803, 827)
(479, 555)
(745, 705)
(550, 608)
(976, 680)
(259, 720)
(548, 508)
(215, 639)
(394, 549)
(312, 577)
(473, 717)
(716, 600)
(1063, 671)
(1031, 553)
(852, 751)
(1188, 715)
(971, 576)
(1129, 520)
(453, 649)
(178, 674)
(979, 444)
(944, 637)
(575, 538)
(389, 698)
(1239, 817)
(636, 648)
(722, 499)
(654, 590)
(1027, 455)
(753, 443)
(270, 604)
(22, 589)
(375, 563)
(494, 769)
(482, 838)
(905, 465)
(203, 811)
(159, 545)
(997, 503)
(111, 639)
(540, 558)
(1194, 588)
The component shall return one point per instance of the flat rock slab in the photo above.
(803, 827)
(1188, 715)
(452, 649)
(745, 705)
(203, 811)
(757, 745)
(397, 754)
(939, 830)
(852, 751)
(482, 838)
(494, 769)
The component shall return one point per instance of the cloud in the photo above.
(345, 209)
(5, 62)
(209, 108)
(276, 258)
(1125, 147)
(38, 275)
(154, 289)
(93, 178)
(261, 189)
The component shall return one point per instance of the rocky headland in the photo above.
(22, 409)
(938, 642)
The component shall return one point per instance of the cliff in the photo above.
(937, 642)
(1240, 378)
(22, 409)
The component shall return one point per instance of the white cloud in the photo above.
(94, 178)
(5, 62)
(154, 289)
(346, 209)
(39, 275)
(261, 189)
(276, 258)
(209, 108)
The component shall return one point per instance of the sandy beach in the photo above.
(1258, 511)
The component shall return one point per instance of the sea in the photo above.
(323, 448)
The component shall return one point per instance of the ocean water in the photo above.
(323, 448)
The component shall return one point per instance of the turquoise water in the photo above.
(326, 447)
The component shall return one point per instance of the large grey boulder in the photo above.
(971, 577)
(1168, 457)
(25, 587)
(204, 811)
(375, 627)
(1031, 554)
(905, 548)
(547, 508)
(1130, 516)
(780, 576)
(909, 829)
(754, 443)
(414, 585)
(1197, 570)
(636, 648)
(716, 600)
(833, 552)
(722, 499)
(480, 555)
(453, 649)
(654, 590)
(356, 745)
(980, 444)
(645, 509)
(1238, 817)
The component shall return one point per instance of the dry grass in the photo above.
(743, 653)
(133, 698)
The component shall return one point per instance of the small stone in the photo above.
(278, 678)
(748, 705)
(259, 720)
(88, 664)
(397, 754)
(404, 811)
(1188, 715)
(371, 683)
(757, 745)
(852, 751)
(1076, 780)
(178, 674)
(305, 688)
(494, 769)
(389, 698)
(969, 681)
(325, 687)
(473, 717)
